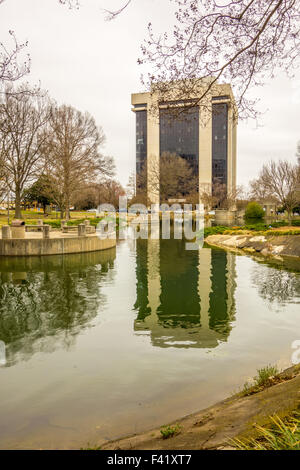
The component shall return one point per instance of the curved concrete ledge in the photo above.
(59, 245)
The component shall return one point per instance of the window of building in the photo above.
(141, 140)
(219, 143)
(180, 134)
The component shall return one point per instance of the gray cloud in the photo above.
(92, 64)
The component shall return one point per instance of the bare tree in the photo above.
(109, 192)
(279, 181)
(4, 186)
(238, 41)
(22, 121)
(10, 69)
(72, 154)
(219, 197)
(260, 193)
(172, 177)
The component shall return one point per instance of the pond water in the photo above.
(105, 344)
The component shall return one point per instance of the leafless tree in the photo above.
(260, 193)
(10, 69)
(108, 192)
(173, 177)
(279, 180)
(22, 121)
(105, 192)
(72, 154)
(4, 187)
(242, 42)
(219, 197)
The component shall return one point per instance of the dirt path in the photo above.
(213, 427)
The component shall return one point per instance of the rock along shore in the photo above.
(266, 245)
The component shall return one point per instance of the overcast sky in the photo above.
(92, 64)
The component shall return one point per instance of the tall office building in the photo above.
(203, 132)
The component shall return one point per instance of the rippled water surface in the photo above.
(96, 346)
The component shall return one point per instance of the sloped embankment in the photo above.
(266, 245)
(214, 427)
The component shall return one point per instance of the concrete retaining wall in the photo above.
(53, 246)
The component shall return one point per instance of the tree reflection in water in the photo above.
(276, 285)
(47, 301)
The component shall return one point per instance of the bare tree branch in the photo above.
(111, 15)
(243, 42)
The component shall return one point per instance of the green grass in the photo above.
(261, 380)
(170, 431)
(264, 374)
(281, 434)
(278, 233)
(89, 447)
(259, 229)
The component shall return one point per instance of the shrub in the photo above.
(254, 211)
(170, 431)
(264, 374)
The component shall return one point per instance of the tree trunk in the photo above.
(67, 207)
(18, 213)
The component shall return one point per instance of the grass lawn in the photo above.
(31, 217)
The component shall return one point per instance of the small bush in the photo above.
(254, 211)
(262, 379)
(264, 374)
(217, 230)
(170, 431)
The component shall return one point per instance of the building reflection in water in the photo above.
(184, 298)
(46, 302)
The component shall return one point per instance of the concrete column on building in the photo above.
(205, 154)
(231, 155)
(6, 232)
(153, 153)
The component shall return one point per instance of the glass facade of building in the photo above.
(219, 143)
(141, 140)
(180, 134)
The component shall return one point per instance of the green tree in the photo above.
(38, 192)
(254, 211)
